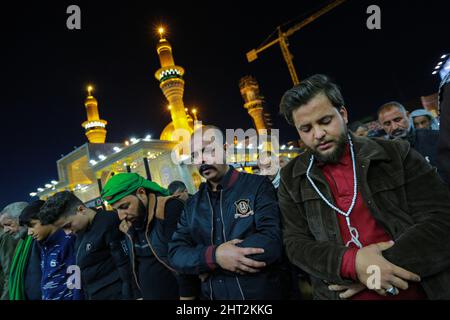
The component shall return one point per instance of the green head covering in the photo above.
(124, 184)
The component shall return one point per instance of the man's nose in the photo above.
(319, 133)
(30, 232)
(122, 215)
(395, 126)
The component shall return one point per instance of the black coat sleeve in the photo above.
(189, 285)
(267, 224)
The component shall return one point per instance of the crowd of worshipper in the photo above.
(361, 196)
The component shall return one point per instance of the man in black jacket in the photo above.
(229, 234)
(395, 121)
(101, 255)
(30, 275)
(149, 217)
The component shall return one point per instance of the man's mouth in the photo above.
(325, 145)
(398, 133)
(204, 168)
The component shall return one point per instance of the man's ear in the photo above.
(141, 194)
(344, 114)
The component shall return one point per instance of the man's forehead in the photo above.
(314, 111)
(421, 118)
(5, 219)
(126, 199)
(392, 113)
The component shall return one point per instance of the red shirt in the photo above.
(340, 179)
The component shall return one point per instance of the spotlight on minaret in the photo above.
(94, 126)
(170, 77)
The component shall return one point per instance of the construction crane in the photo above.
(283, 39)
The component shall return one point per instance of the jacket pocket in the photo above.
(311, 204)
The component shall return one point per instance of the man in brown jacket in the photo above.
(366, 218)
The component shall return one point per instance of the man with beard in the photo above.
(229, 234)
(9, 220)
(397, 124)
(366, 218)
(149, 217)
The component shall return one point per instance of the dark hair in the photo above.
(175, 186)
(60, 204)
(355, 125)
(390, 105)
(306, 91)
(31, 212)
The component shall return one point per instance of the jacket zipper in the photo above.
(150, 246)
(225, 238)
(212, 241)
(133, 262)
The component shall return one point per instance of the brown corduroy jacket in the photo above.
(404, 194)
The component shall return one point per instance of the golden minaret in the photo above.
(254, 102)
(94, 126)
(170, 77)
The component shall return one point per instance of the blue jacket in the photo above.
(57, 254)
(247, 209)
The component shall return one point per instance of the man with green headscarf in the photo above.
(149, 217)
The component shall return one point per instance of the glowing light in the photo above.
(194, 111)
(93, 162)
(54, 182)
(184, 157)
(444, 56)
(161, 31)
(148, 137)
(40, 189)
(127, 143)
(283, 147)
(101, 157)
(117, 149)
(94, 124)
(33, 194)
(291, 147)
(90, 89)
(48, 185)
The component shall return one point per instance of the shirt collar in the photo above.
(344, 161)
(224, 181)
(54, 238)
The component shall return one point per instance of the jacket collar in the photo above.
(228, 180)
(365, 150)
(55, 238)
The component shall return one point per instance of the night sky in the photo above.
(45, 68)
